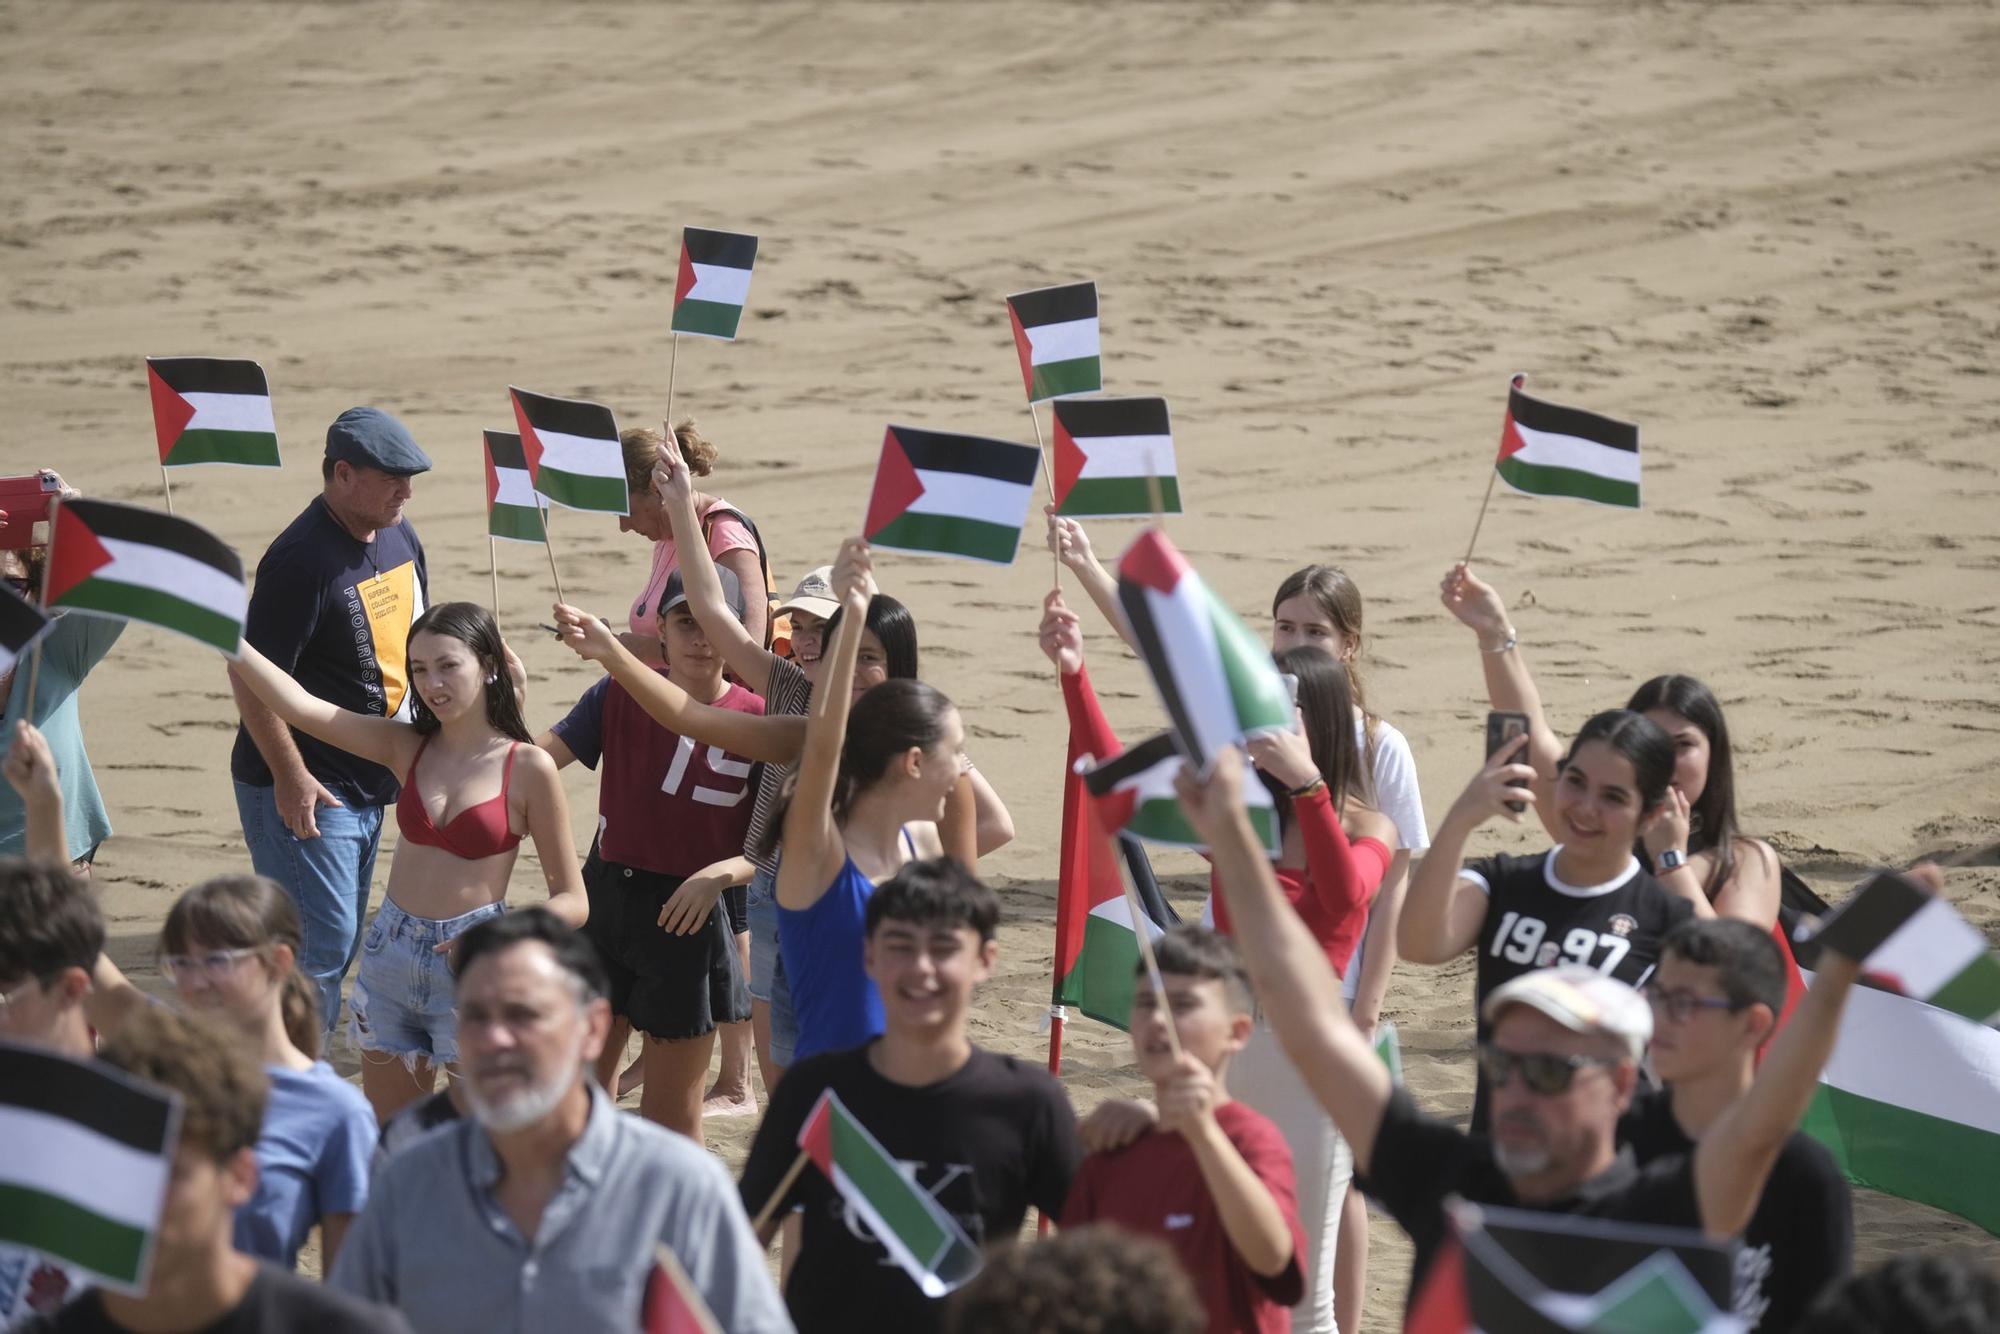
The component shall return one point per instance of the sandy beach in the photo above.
(1326, 234)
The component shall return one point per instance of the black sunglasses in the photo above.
(1543, 1072)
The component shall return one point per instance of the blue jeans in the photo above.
(403, 1002)
(767, 967)
(327, 877)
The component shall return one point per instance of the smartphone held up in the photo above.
(1502, 726)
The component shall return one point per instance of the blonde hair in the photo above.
(249, 912)
(642, 451)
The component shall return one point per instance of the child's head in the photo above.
(1209, 992)
(684, 645)
(1717, 993)
(930, 941)
(231, 948)
(51, 932)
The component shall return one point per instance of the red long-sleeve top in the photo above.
(1331, 894)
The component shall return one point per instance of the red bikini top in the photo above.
(475, 832)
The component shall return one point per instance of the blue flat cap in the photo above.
(371, 438)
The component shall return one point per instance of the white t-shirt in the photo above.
(1397, 797)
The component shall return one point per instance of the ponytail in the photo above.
(300, 1008)
(888, 721)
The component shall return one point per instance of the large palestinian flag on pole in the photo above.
(212, 410)
(1549, 450)
(1107, 449)
(951, 495)
(1134, 794)
(1055, 333)
(1217, 681)
(21, 624)
(89, 1151)
(914, 1228)
(141, 565)
(513, 510)
(572, 449)
(714, 282)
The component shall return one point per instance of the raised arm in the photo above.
(775, 738)
(548, 826)
(1298, 987)
(813, 848)
(1508, 685)
(31, 771)
(1072, 547)
(1251, 1219)
(741, 646)
(1444, 910)
(385, 741)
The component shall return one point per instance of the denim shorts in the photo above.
(767, 968)
(402, 1001)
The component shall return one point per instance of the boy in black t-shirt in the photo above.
(1719, 987)
(985, 1135)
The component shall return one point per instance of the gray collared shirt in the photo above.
(434, 1242)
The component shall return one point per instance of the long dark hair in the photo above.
(248, 912)
(886, 722)
(1641, 741)
(1326, 707)
(892, 624)
(473, 626)
(1714, 816)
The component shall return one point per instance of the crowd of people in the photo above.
(785, 865)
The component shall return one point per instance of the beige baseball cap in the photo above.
(1582, 1000)
(814, 594)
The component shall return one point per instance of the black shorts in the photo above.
(736, 903)
(669, 986)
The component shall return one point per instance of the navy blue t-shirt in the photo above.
(335, 613)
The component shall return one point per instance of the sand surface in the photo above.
(1328, 234)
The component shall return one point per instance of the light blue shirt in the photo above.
(71, 647)
(313, 1152)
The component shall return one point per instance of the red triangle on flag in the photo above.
(1069, 461)
(816, 1135)
(1510, 437)
(531, 444)
(1153, 562)
(897, 486)
(492, 476)
(171, 412)
(1442, 1307)
(685, 282)
(673, 1304)
(1026, 351)
(74, 554)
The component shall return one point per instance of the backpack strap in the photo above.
(708, 522)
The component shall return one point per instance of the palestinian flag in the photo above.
(1134, 793)
(951, 495)
(1389, 1049)
(1055, 332)
(513, 510)
(21, 624)
(573, 453)
(915, 1229)
(212, 410)
(89, 1151)
(1106, 450)
(141, 565)
(1097, 954)
(1914, 943)
(673, 1304)
(1549, 450)
(714, 282)
(1217, 681)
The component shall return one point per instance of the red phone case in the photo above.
(26, 501)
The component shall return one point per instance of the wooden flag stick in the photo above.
(548, 545)
(763, 1218)
(1048, 479)
(168, 486)
(493, 568)
(1139, 921)
(1491, 477)
(42, 601)
(673, 358)
(1154, 494)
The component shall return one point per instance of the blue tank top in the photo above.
(833, 997)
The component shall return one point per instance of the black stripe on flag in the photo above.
(1083, 417)
(211, 375)
(975, 455)
(129, 523)
(727, 250)
(1555, 419)
(567, 416)
(1871, 915)
(1135, 760)
(20, 621)
(1153, 652)
(1055, 305)
(90, 1095)
(504, 448)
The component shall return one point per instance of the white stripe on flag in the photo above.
(145, 566)
(231, 412)
(1066, 341)
(1928, 950)
(1187, 639)
(1908, 1054)
(720, 284)
(967, 495)
(1568, 451)
(581, 455)
(515, 488)
(1127, 455)
(74, 1163)
(1119, 913)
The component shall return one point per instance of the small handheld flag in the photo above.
(212, 410)
(137, 564)
(513, 510)
(89, 1152)
(951, 495)
(1055, 333)
(1106, 448)
(714, 282)
(674, 1305)
(1550, 450)
(572, 450)
(1914, 943)
(21, 624)
(1134, 793)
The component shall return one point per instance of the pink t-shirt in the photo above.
(725, 534)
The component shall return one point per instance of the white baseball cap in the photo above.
(814, 594)
(1582, 1000)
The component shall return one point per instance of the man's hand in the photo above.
(687, 910)
(1187, 1099)
(1115, 1123)
(299, 796)
(30, 767)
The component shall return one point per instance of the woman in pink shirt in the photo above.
(730, 541)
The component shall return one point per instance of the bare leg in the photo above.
(760, 1027)
(731, 1095)
(1350, 1263)
(391, 1083)
(675, 1072)
(613, 1055)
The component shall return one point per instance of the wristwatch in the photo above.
(1670, 860)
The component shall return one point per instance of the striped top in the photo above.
(788, 694)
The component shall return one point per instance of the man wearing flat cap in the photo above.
(333, 603)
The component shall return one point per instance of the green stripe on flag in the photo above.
(713, 318)
(150, 605)
(1256, 692)
(896, 1200)
(1055, 378)
(606, 495)
(1119, 496)
(1104, 979)
(256, 449)
(949, 534)
(1975, 992)
(48, 1223)
(516, 523)
(1547, 481)
(1907, 1153)
(1161, 820)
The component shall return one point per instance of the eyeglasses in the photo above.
(212, 965)
(1543, 1072)
(1680, 1004)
